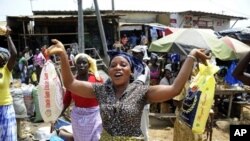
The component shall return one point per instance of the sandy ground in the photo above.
(166, 134)
(160, 131)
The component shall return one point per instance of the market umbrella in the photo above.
(237, 46)
(184, 40)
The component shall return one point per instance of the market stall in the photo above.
(230, 91)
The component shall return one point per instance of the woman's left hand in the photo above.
(200, 55)
(56, 48)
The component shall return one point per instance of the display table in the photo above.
(222, 90)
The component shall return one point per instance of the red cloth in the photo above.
(81, 101)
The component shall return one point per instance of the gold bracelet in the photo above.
(191, 56)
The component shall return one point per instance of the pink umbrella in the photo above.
(238, 47)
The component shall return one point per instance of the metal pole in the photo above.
(113, 7)
(80, 27)
(103, 38)
(114, 22)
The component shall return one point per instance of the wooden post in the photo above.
(24, 34)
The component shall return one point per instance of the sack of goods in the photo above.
(3, 30)
(18, 103)
(199, 98)
(50, 93)
(28, 99)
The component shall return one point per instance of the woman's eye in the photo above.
(112, 65)
(123, 64)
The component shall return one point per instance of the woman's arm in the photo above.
(81, 88)
(160, 93)
(239, 71)
(12, 49)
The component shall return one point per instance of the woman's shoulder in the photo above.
(93, 78)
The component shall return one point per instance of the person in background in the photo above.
(121, 102)
(139, 52)
(125, 43)
(155, 70)
(39, 61)
(26, 53)
(74, 48)
(241, 72)
(143, 39)
(8, 128)
(133, 39)
(85, 116)
(155, 76)
(168, 79)
(181, 130)
(23, 67)
(71, 57)
(175, 61)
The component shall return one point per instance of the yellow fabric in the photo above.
(92, 62)
(34, 77)
(107, 137)
(5, 98)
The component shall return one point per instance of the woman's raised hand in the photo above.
(56, 48)
(201, 55)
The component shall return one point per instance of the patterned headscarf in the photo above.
(136, 64)
(4, 54)
(92, 66)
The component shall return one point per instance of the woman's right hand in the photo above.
(56, 48)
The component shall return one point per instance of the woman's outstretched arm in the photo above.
(160, 93)
(81, 88)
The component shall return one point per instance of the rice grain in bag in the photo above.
(199, 98)
(50, 93)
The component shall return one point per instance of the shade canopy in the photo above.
(184, 40)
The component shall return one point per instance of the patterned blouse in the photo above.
(121, 117)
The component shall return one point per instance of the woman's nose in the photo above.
(118, 67)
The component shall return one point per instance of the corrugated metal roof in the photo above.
(37, 17)
(169, 6)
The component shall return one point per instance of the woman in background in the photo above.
(85, 115)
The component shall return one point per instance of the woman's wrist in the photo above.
(193, 54)
(193, 57)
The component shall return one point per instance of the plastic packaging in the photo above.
(50, 93)
(199, 99)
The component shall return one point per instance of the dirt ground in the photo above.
(166, 134)
(160, 130)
